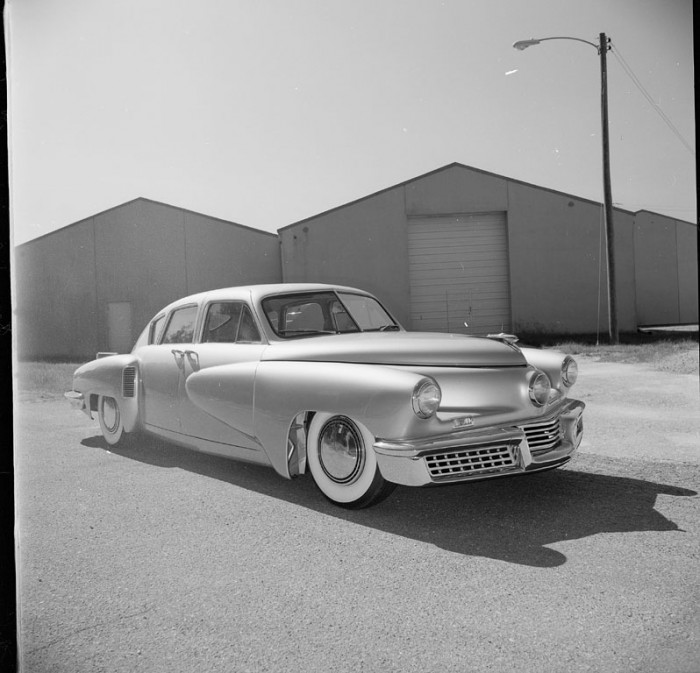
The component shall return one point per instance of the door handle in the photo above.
(193, 358)
(179, 356)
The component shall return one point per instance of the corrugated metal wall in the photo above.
(666, 270)
(94, 285)
(455, 245)
(555, 255)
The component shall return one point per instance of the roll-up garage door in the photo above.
(458, 268)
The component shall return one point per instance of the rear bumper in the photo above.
(77, 401)
(483, 453)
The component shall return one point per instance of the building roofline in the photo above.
(676, 219)
(147, 200)
(471, 168)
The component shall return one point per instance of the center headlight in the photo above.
(426, 398)
(540, 387)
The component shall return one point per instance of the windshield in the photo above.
(325, 312)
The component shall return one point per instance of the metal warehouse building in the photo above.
(459, 245)
(93, 285)
(457, 249)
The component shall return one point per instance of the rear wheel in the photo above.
(342, 462)
(110, 417)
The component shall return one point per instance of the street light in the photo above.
(602, 48)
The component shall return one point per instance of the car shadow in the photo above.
(510, 519)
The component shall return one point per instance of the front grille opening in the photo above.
(544, 436)
(469, 461)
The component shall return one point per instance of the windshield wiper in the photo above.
(389, 328)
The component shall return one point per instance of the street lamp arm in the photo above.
(524, 44)
(602, 49)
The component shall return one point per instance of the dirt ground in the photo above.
(650, 414)
(158, 559)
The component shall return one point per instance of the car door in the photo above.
(162, 365)
(229, 335)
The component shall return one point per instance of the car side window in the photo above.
(248, 331)
(180, 329)
(304, 317)
(341, 318)
(230, 322)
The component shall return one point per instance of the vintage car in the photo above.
(323, 378)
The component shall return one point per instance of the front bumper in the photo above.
(536, 444)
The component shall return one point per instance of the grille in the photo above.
(469, 461)
(544, 436)
(129, 381)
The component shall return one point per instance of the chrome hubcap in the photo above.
(341, 450)
(110, 414)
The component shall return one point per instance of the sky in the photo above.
(265, 112)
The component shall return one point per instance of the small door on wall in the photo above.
(119, 326)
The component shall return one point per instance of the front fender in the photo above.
(550, 363)
(115, 376)
(378, 397)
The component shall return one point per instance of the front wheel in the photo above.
(343, 464)
(110, 417)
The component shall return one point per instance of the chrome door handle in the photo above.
(193, 358)
(179, 356)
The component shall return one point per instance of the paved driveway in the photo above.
(161, 559)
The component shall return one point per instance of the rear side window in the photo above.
(230, 322)
(180, 329)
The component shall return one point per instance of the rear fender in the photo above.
(115, 376)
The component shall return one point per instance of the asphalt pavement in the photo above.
(158, 558)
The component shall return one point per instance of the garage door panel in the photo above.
(483, 257)
(456, 272)
(437, 307)
(442, 276)
(433, 296)
(443, 237)
(447, 244)
(459, 273)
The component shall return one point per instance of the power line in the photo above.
(630, 73)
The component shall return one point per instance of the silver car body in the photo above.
(253, 401)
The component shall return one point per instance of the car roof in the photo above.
(255, 292)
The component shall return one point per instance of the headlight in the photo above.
(540, 387)
(569, 371)
(426, 398)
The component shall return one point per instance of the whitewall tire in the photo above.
(111, 422)
(342, 462)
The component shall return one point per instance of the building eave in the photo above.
(145, 200)
(450, 166)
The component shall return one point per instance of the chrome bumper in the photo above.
(77, 401)
(481, 453)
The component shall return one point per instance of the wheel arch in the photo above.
(116, 376)
(287, 394)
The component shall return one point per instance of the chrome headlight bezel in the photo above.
(426, 398)
(539, 388)
(569, 371)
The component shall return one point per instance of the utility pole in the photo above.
(607, 192)
(602, 48)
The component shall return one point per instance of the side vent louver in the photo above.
(129, 381)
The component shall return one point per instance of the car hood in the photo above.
(399, 348)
